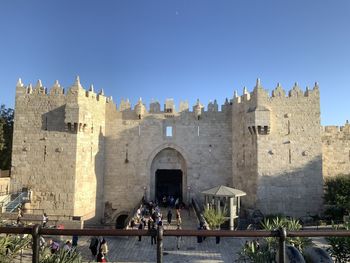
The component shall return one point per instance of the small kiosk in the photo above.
(223, 196)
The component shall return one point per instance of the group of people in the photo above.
(170, 201)
(149, 216)
(44, 221)
(55, 246)
(99, 249)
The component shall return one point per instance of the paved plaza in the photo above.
(129, 249)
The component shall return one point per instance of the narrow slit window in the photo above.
(169, 131)
(290, 156)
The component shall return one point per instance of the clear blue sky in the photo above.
(182, 49)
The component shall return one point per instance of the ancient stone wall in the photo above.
(336, 150)
(244, 158)
(287, 136)
(205, 143)
(56, 148)
(81, 156)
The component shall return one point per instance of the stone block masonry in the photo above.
(83, 156)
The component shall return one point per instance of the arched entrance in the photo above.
(168, 175)
(120, 222)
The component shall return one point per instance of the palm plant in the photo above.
(215, 218)
(291, 225)
(62, 256)
(11, 246)
(340, 246)
(267, 250)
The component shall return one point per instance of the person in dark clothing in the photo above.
(153, 235)
(149, 223)
(169, 216)
(75, 241)
(204, 228)
(200, 238)
(140, 228)
(93, 246)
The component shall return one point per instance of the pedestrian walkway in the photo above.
(129, 249)
(188, 219)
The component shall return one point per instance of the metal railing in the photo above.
(281, 234)
(12, 205)
(4, 203)
(133, 212)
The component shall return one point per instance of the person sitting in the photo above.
(54, 246)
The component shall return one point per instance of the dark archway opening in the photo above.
(168, 183)
(120, 222)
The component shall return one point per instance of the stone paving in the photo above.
(129, 249)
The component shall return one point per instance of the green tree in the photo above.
(338, 195)
(6, 134)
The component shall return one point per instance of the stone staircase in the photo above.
(15, 201)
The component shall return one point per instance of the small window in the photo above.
(169, 131)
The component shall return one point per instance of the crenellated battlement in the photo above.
(337, 130)
(259, 93)
(76, 90)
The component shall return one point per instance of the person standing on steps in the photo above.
(169, 216)
(19, 215)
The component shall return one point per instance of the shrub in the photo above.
(266, 251)
(62, 256)
(338, 194)
(11, 246)
(340, 246)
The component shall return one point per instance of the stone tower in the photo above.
(58, 148)
(277, 150)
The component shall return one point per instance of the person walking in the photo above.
(104, 248)
(93, 246)
(178, 238)
(169, 216)
(153, 234)
(19, 215)
(149, 223)
(140, 228)
(45, 220)
(178, 217)
(200, 238)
